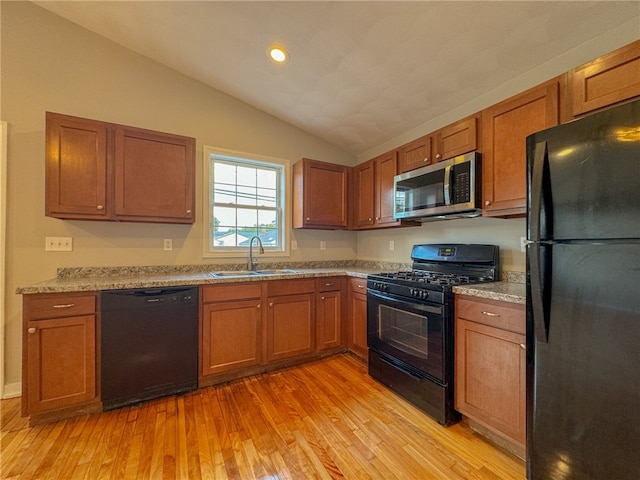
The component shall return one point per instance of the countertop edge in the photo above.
(502, 291)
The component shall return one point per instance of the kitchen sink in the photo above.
(275, 272)
(234, 273)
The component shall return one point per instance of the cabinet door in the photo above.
(358, 317)
(363, 194)
(61, 362)
(290, 326)
(154, 176)
(608, 80)
(329, 320)
(415, 154)
(230, 336)
(386, 168)
(319, 195)
(457, 139)
(505, 129)
(490, 382)
(76, 167)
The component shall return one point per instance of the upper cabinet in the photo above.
(372, 193)
(610, 79)
(320, 195)
(505, 127)
(450, 141)
(102, 171)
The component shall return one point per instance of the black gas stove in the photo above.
(410, 322)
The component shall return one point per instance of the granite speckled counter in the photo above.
(89, 279)
(503, 291)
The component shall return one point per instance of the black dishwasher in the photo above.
(149, 344)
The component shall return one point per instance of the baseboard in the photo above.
(12, 390)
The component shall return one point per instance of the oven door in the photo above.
(409, 331)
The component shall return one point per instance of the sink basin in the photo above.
(234, 273)
(275, 272)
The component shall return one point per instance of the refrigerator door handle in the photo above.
(539, 258)
(539, 159)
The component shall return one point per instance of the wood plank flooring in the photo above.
(325, 420)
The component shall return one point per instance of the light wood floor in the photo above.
(326, 419)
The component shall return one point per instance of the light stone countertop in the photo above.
(502, 291)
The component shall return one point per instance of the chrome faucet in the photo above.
(253, 263)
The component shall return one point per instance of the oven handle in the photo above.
(400, 302)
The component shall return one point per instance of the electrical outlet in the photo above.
(168, 244)
(392, 245)
(58, 244)
(323, 245)
(523, 244)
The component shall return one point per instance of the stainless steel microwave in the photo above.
(447, 189)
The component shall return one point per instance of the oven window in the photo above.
(403, 330)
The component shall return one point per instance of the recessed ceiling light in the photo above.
(278, 54)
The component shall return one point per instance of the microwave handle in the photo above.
(447, 185)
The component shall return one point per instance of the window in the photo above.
(246, 198)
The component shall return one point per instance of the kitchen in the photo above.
(176, 104)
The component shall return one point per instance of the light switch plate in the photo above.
(58, 244)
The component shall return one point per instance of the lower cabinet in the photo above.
(329, 305)
(231, 326)
(59, 353)
(357, 331)
(490, 361)
(290, 319)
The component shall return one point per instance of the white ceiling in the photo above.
(360, 73)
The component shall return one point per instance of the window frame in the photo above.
(209, 251)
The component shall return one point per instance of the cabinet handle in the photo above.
(490, 314)
(329, 284)
(369, 218)
(322, 298)
(258, 306)
(487, 203)
(438, 156)
(377, 218)
(65, 305)
(426, 159)
(100, 207)
(360, 286)
(32, 330)
(523, 346)
(271, 304)
(188, 212)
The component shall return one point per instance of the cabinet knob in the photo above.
(188, 212)
(100, 207)
(308, 219)
(377, 218)
(32, 330)
(523, 346)
(426, 160)
(369, 218)
(487, 203)
(271, 304)
(258, 306)
(438, 156)
(322, 298)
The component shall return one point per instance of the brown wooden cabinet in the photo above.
(610, 79)
(415, 154)
(457, 139)
(320, 192)
(59, 354)
(372, 193)
(505, 127)
(102, 171)
(329, 306)
(231, 327)
(357, 319)
(290, 328)
(490, 361)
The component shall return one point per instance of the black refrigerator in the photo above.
(583, 298)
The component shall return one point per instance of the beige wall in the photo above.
(49, 64)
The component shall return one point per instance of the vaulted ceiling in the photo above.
(360, 73)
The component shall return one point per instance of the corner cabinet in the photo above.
(59, 355)
(490, 366)
(320, 192)
(102, 171)
(505, 128)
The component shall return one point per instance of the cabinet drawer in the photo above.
(290, 287)
(328, 284)
(358, 285)
(235, 291)
(51, 306)
(506, 316)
